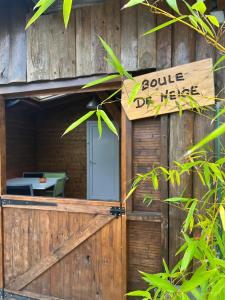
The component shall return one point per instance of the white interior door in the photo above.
(102, 164)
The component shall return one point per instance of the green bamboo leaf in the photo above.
(193, 21)
(161, 26)
(132, 3)
(155, 181)
(177, 199)
(222, 216)
(108, 122)
(200, 6)
(99, 123)
(188, 255)
(220, 161)
(161, 283)
(166, 267)
(114, 60)
(213, 135)
(214, 20)
(39, 3)
(67, 6)
(134, 92)
(199, 277)
(199, 20)
(101, 80)
(219, 61)
(79, 121)
(216, 171)
(43, 6)
(139, 294)
(220, 113)
(173, 5)
(190, 215)
(130, 192)
(207, 175)
(217, 288)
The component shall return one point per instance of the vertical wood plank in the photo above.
(4, 42)
(83, 38)
(98, 28)
(163, 61)
(129, 33)
(17, 53)
(126, 177)
(181, 137)
(51, 51)
(202, 123)
(12, 42)
(146, 44)
(113, 32)
(62, 48)
(38, 62)
(126, 160)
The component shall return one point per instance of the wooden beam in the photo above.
(26, 295)
(2, 147)
(97, 223)
(2, 182)
(56, 204)
(57, 86)
(126, 178)
(126, 160)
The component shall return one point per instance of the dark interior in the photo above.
(34, 139)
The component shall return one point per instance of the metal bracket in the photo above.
(9, 295)
(26, 203)
(117, 211)
(1, 293)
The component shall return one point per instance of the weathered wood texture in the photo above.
(54, 253)
(54, 52)
(51, 49)
(163, 60)
(146, 154)
(144, 251)
(202, 123)
(12, 41)
(181, 136)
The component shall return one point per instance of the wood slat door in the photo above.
(62, 249)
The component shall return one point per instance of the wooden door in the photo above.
(62, 249)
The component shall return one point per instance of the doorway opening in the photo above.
(83, 165)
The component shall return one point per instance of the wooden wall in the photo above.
(12, 41)
(48, 51)
(54, 53)
(20, 142)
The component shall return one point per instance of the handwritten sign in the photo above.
(179, 88)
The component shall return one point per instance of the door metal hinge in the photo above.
(117, 211)
(26, 203)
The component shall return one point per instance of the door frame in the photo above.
(69, 86)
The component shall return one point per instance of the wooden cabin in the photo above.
(81, 246)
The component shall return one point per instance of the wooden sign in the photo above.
(179, 88)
